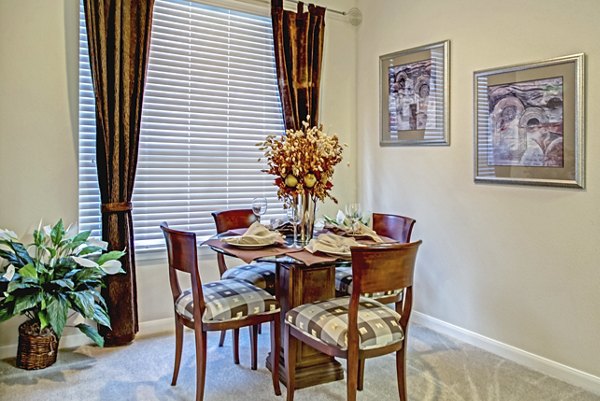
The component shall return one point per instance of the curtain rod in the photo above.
(296, 2)
(354, 14)
(331, 10)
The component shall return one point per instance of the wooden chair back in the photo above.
(183, 256)
(384, 268)
(393, 226)
(232, 219)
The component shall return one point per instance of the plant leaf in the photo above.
(78, 239)
(57, 232)
(89, 249)
(57, 309)
(65, 283)
(43, 316)
(112, 255)
(28, 271)
(84, 262)
(6, 310)
(16, 285)
(92, 333)
(21, 254)
(25, 302)
(84, 303)
(100, 316)
(112, 267)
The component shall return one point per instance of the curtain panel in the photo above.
(298, 41)
(119, 45)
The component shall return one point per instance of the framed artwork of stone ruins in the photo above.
(414, 106)
(529, 123)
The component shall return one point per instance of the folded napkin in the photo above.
(332, 244)
(364, 231)
(257, 234)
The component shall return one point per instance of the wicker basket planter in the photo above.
(36, 351)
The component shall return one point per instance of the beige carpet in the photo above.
(440, 369)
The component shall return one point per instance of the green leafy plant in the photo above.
(55, 277)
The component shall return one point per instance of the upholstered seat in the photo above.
(227, 300)
(261, 275)
(378, 325)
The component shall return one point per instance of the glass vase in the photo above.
(306, 209)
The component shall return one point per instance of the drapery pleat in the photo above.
(119, 44)
(298, 38)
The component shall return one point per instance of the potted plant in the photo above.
(50, 280)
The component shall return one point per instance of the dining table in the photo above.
(301, 277)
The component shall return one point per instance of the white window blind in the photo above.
(211, 96)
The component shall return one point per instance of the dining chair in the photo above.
(392, 226)
(261, 275)
(356, 327)
(215, 306)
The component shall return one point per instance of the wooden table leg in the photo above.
(299, 284)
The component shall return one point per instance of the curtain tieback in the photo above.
(116, 207)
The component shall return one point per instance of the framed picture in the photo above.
(529, 123)
(414, 96)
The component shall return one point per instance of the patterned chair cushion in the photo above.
(227, 300)
(262, 275)
(343, 284)
(327, 321)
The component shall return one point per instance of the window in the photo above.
(211, 95)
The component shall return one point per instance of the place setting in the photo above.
(352, 223)
(253, 242)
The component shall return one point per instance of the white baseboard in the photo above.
(546, 366)
(77, 339)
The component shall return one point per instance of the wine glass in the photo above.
(353, 213)
(259, 207)
(293, 217)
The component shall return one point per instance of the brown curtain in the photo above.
(298, 41)
(119, 43)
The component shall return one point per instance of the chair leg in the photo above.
(401, 373)
(200, 337)
(178, 349)
(236, 346)
(275, 349)
(352, 371)
(222, 339)
(290, 362)
(361, 374)
(253, 346)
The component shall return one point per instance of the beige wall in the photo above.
(38, 128)
(517, 264)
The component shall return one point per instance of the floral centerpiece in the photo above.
(302, 162)
(56, 276)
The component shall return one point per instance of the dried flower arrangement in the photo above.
(302, 161)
